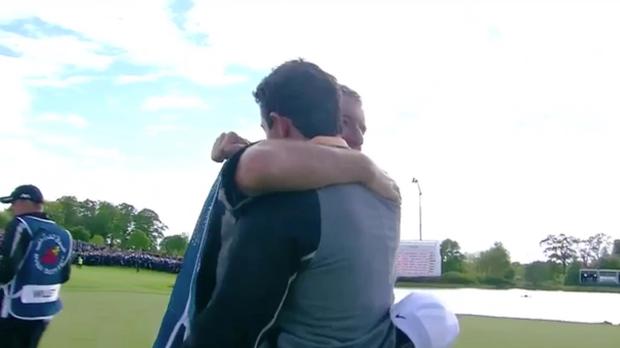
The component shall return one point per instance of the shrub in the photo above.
(495, 281)
(457, 278)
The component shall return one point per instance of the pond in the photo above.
(585, 307)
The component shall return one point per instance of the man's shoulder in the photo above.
(11, 227)
(284, 203)
(34, 218)
(356, 194)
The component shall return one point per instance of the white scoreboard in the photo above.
(418, 259)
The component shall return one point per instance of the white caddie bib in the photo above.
(40, 293)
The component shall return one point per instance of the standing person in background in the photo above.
(36, 255)
(80, 261)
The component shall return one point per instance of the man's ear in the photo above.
(280, 126)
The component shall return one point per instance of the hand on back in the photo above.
(383, 185)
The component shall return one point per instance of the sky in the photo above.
(507, 113)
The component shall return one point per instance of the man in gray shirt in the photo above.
(298, 269)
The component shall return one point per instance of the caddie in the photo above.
(35, 261)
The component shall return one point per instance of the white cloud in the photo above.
(48, 57)
(15, 95)
(128, 79)
(69, 119)
(167, 102)
(155, 42)
(158, 129)
(505, 111)
(111, 180)
(59, 82)
(95, 153)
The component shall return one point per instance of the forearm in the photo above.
(280, 165)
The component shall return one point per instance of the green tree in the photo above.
(605, 253)
(5, 218)
(97, 240)
(123, 222)
(174, 245)
(519, 271)
(560, 248)
(102, 222)
(573, 273)
(616, 249)
(539, 272)
(458, 278)
(54, 210)
(106, 223)
(469, 264)
(451, 257)
(495, 263)
(68, 212)
(80, 233)
(593, 248)
(139, 240)
(87, 210)
(610, 262)
(148, 221)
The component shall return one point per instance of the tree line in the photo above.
(565, 256)
(121, 226)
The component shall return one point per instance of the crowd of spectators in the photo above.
(93, 255)
(104, 256)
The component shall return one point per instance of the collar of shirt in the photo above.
(40, 215)
(329, 141)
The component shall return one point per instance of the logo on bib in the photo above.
(49, 254)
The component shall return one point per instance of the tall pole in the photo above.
(415, 181)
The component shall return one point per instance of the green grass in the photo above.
(119, 308)
(485, 332)
(111, 308)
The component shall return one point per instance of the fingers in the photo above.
(387, 188)
(226, 145)
(232, 137)
(216, 150)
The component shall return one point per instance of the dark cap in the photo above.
(25, 192)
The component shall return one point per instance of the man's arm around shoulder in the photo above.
(285, 165)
